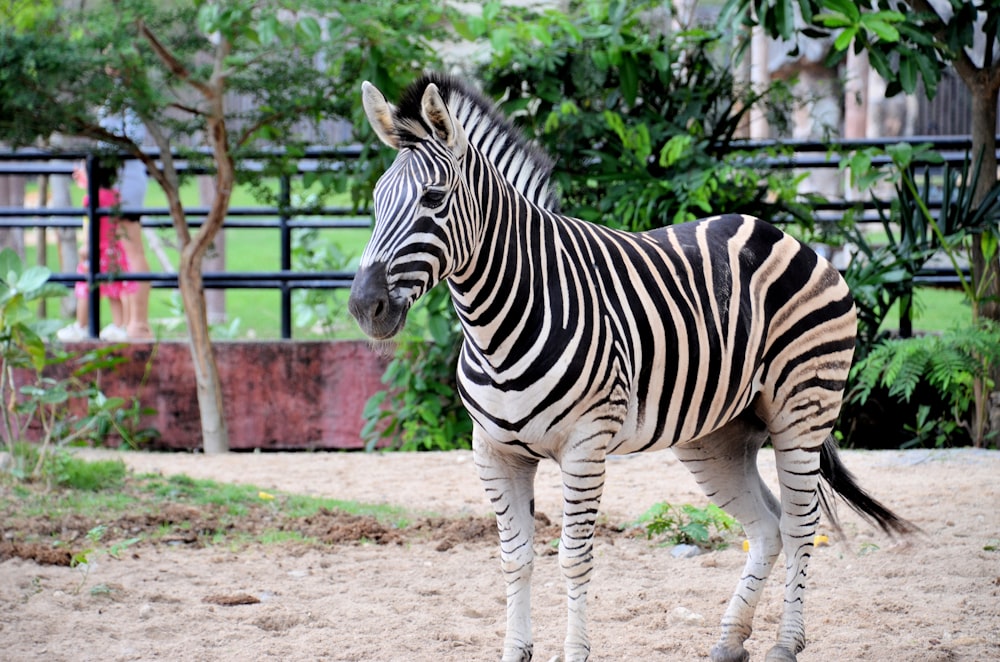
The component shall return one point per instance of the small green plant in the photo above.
(38, 404)
(709, 527)
(82, 559)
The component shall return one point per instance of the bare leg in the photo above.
(509, 482)
(137, 324)
(82, 311)
(117, 308)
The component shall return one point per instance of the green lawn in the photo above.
(936, 309)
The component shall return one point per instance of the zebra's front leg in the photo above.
(583, 484)
(509, 481)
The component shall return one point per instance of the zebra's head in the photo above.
(416, 241)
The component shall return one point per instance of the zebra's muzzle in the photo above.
(377, 313)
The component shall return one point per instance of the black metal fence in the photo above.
(285, 218)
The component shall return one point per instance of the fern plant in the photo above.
(956, 364)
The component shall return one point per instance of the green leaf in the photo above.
(33, 278)
(845, 7)
(311, 29)
(628, 72)
(267, 29)
(209, 15)
(885, 31)
(907, 74)
(833, 20)
(845, 38)
(10, 266)
(988, 243)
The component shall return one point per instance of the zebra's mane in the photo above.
(523, 164)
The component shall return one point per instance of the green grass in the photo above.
(119, 502)
(936, 309)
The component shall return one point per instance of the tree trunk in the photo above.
(984, 120)
(215, 299)
(215, 434)
(12, 195)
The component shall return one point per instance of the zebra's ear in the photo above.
(446, 128)
(380, 113)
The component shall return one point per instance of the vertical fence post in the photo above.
(285, 246)
(93, 249)
(906, 314)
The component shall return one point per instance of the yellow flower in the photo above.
(265, 495)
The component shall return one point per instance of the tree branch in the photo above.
(175, 66)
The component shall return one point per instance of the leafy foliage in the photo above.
(327, 309)
(907, 42)
(639, 121)
(882, 275)
(951, 363)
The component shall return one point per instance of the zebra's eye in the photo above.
(432, 197)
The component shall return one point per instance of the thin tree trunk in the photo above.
(984, 119)
(215, 299)
(12, 195)
(215, 434)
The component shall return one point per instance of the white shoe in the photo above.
(113, 333)
(72, 333)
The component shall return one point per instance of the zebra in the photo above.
(582, 341)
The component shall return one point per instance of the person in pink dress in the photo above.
(112, 260)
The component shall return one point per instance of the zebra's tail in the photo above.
(838, 477)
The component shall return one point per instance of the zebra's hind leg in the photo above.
(798, 473)
(725, 465)
(509, 481)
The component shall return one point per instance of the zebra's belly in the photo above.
(526, 420)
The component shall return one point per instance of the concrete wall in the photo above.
(278, 395)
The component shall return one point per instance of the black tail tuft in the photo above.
(843, 483)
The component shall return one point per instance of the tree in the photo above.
(908, 42)
(174, 67)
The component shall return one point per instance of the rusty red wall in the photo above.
(278, 395)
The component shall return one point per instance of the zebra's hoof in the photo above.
(780, 654)
(518, 654)
(722, 653)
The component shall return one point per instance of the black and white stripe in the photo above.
(582, 341)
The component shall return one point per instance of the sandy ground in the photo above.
(933, 598)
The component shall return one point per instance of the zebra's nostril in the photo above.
(379, 307)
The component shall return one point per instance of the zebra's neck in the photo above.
(500, 294)
(526, 168)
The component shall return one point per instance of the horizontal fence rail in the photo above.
(806, 155)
